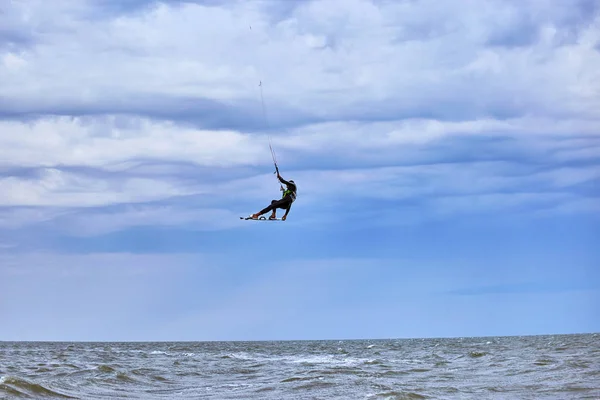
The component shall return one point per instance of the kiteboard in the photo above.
(261, 218)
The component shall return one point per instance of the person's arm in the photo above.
(282, 180)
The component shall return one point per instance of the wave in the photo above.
(21, 387)
(395, 395)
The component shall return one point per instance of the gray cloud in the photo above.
(161, 108)
(361, 77)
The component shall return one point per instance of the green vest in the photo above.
(286, 192)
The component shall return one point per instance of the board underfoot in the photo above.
(261, 218)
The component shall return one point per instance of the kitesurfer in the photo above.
(288, 197)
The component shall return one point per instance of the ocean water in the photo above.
(529, 367)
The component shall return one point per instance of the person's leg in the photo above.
(274, 210)
(274, 204)
(284, 204)
(287, 210)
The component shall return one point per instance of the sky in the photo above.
(447, 158)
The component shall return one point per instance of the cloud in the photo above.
(101, 199)
(107, 220)
(136, 113)
(414, 62)
(58, 188)
(137, 125)
(105, 141)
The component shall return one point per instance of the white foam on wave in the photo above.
(242, 355)
(326, 359)
(311, 359)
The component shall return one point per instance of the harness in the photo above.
(289, 192)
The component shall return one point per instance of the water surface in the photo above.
(533, 367)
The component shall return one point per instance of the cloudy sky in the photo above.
(447, 156)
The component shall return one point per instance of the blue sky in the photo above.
(447, 157)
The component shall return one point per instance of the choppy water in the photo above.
(536, 367)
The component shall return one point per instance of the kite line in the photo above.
(267, 126)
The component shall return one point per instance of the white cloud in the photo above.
(102, 142)
(396, 135)
(414, 54)
(355, 83)
(59, 188)
(118, 144)
(435, 180)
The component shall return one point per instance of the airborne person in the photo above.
(288, 197)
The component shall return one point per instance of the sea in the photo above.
(518, 367)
